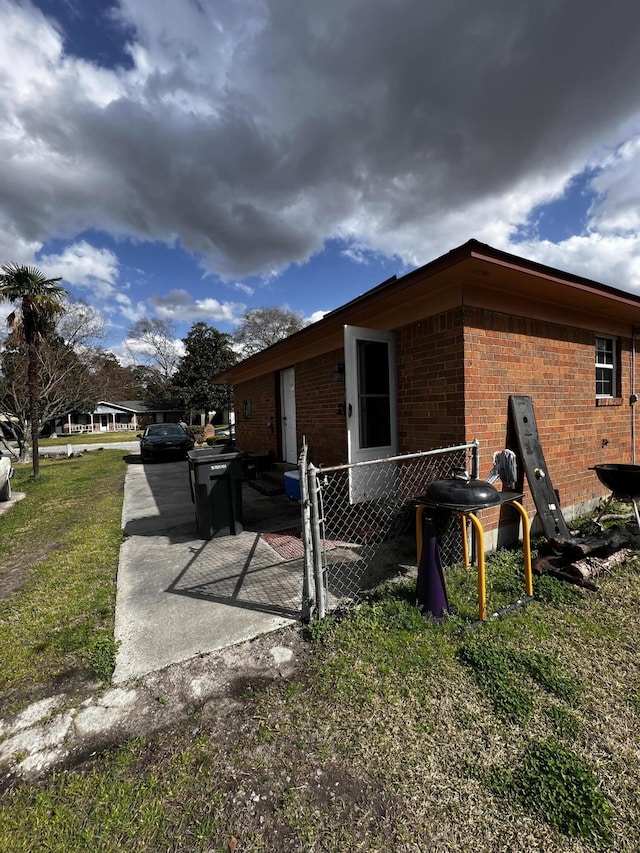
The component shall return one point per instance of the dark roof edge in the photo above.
(471, 249)
(478, 249)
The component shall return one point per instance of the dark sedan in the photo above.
(163, 441)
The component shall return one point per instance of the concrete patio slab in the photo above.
(179, 596)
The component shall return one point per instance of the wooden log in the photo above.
(582, 572)
(591, 567)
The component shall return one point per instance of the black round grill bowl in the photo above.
(460, 494)
(622, 480)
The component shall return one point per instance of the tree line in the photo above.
(52, 360)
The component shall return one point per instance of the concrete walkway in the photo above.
(179, 596)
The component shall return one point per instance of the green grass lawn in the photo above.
(91, 438)
(59, 555)
(394, 734)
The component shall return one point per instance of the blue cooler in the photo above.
(292, 484)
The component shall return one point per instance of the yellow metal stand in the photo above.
(479, 539)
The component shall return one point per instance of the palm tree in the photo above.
(37, 300)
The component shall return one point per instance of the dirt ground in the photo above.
(68, 726)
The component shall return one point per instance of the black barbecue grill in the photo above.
(465, 496)
(623, 481)
(461, 493)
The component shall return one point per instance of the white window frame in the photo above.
(601, 365)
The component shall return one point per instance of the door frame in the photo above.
(288, 416)
(352, 335)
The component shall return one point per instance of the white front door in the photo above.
(288, 415)
(371, 398)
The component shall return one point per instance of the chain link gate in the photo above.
(359, 522)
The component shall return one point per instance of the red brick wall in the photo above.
(320, 413)
(430, 356)
(430, 392)
(455, 373)
(554, 365)
(430, 396)
(259, 432)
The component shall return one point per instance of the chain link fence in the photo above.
(361, 520)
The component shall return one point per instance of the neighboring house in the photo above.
(127, 415)
(430, 359)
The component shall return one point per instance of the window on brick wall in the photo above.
(606, 377)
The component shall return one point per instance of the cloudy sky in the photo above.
(191, 159)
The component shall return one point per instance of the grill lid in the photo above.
(461, 492)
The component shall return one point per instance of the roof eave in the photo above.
(326, 333)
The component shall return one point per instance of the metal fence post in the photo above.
(307, 597)
(316, 540)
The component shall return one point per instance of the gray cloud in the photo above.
(179, 306)
(252, 137)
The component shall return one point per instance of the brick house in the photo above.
(430, 359)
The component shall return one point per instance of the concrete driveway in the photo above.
(179, 596)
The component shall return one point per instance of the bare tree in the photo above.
(65, 384)
(81, 326)
(262, 327)
(69, 366)
(152, 344)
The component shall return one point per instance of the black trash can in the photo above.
(215, 477)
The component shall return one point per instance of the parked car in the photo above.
(165, 441)
(6, 473)
(228, 431)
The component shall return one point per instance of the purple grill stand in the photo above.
(431, 595)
